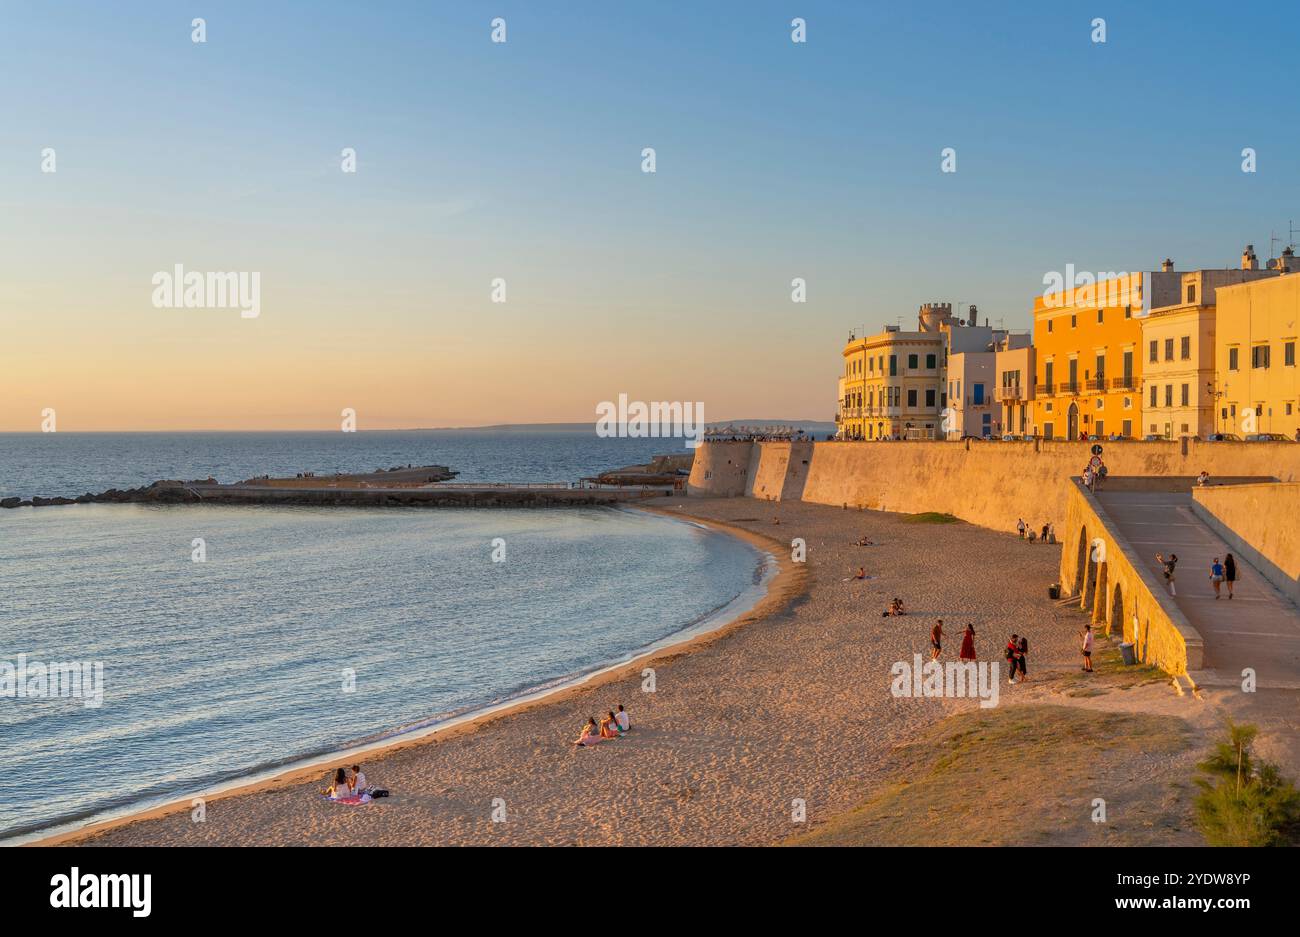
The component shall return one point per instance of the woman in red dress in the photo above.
(968, 644)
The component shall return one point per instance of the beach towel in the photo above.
(355, 800)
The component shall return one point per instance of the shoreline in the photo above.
(782, 582)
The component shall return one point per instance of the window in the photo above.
(1153, 395)
(1049, 325)
(929, 398)
(929, 361)
(1128, 314)
(893, 365)
(977, 394)
(1099, 317)
(1186, 396)
(1074, 321)
(1047, 376)
(1074, 375)
(1288, 408)
(1101, 371)
(911, 362)
(911, 398)
(1128, 405)
(1169, 349)
(1128, 428)
(1185, 347)
(1047, 431)
(1155, 354)
(1128, 368)
(1288, 354)
(1169, 395)
(1233, 364)
(1259, 356)
(1191, 292)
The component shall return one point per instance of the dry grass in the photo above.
(1028, 775)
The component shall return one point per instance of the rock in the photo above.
(10, 502)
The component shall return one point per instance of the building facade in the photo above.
(1256, 387)
(1015, 380)
(1178, 351)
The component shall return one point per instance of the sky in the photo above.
(523, 161)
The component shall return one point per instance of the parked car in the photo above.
(1223, 437)
(1268, 437)
(1012, 437)
(1152, 437)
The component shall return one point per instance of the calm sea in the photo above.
(307, 630)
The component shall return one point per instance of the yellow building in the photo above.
(1255, 376)
(892, 386)
(1178, 352)
(1088, 373)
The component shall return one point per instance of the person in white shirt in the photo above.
(624, 723)
(1087, 648)
(359, 785)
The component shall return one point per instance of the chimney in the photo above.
(1248, 259)
(1167, 265)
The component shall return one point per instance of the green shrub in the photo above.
(1244, 803)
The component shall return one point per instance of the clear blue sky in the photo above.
(775, 160)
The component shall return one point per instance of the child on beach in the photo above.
(1087, 648)
(624, 723)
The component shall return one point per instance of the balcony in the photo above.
(1067, 387)
(1094, 385)
(1010, 392)
(1123, 383)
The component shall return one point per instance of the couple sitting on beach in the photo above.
(611, 727)
(354, 790)
(895, 608)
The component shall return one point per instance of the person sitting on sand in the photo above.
(590, 733)
(609, 727)
(967, 644)
(624, 723)
(864, 542)
(861, 573)
(359, 784)
(898, 606)
(340, 788)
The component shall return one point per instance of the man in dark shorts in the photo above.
(936, 639)
(1087, 648)
(1168, 565)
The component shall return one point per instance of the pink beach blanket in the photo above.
(355, 800)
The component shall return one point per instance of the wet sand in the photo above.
(791, 701)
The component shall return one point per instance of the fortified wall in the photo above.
(986, 483)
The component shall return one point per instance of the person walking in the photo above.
(1216, 576)
(936, 639)
(1020, 526)
(1229, 572)
(967, 652)
(1045, 526)
(1087, 648)
(1022, 659)
(1168, 565)
(1012, 649)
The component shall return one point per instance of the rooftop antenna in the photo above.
(1290, 226)
(1272, 243)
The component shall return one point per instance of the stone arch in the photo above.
(1101, 589)
(1115, 619)
(1081, 567)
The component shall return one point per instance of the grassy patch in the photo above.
(1021, 775)
(1111, 673)
(1244, 802)
(931, 517)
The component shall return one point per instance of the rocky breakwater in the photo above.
(160, 492)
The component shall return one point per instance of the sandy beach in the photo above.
(789, 702)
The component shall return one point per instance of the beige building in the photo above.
(1178, 353)
(1014, 369)
(1256, 384)
(975, 406)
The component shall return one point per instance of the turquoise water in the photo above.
(217, 669)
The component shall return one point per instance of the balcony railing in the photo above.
(1094, 384)
(1123, 383)
(1010, 392)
